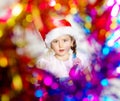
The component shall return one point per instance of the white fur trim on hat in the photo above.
(57, 32)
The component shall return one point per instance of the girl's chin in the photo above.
(62, 55)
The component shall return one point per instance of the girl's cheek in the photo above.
(68, 48)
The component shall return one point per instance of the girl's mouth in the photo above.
(61, 50)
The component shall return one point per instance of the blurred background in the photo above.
(21, 44)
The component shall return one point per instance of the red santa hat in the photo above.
(56, 28)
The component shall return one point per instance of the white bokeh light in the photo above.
(115, 10)
(118, 69)
(118, 2)
(110, 2)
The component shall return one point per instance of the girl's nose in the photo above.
(60, 44)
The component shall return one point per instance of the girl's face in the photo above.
(62, 45)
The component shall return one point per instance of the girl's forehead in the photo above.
(62, 37)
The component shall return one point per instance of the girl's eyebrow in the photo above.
(54, 40)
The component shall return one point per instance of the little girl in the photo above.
(61, 42)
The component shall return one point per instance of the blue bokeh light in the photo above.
(104, 82)
(105, 51)
(107, 98)
(39, 93)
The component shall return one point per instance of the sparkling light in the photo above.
(1, 33)
(118, 2)
(106, 50)
(107, 34)
(3, 61)
(39, 77)
(91, 1)
(17, 83)
(88, 18)
(110, 43)
(118, 69)
(29, 18)
(5, 97)
(110, 2)
(38, 93)
(11, 22)
(17, 10)
(90, 97)
(73, 10)
(48, 81)
(117, 44)
(118, 19)
(114, 39)
(107, 98)
(52, 3)
(87, 30)
(115, 10)
(104, 82)
(57, 6)
(88, 25)
(102, 32)
(113, 25)
(116, 35)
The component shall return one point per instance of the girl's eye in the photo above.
(65, 40)
(55, 41)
